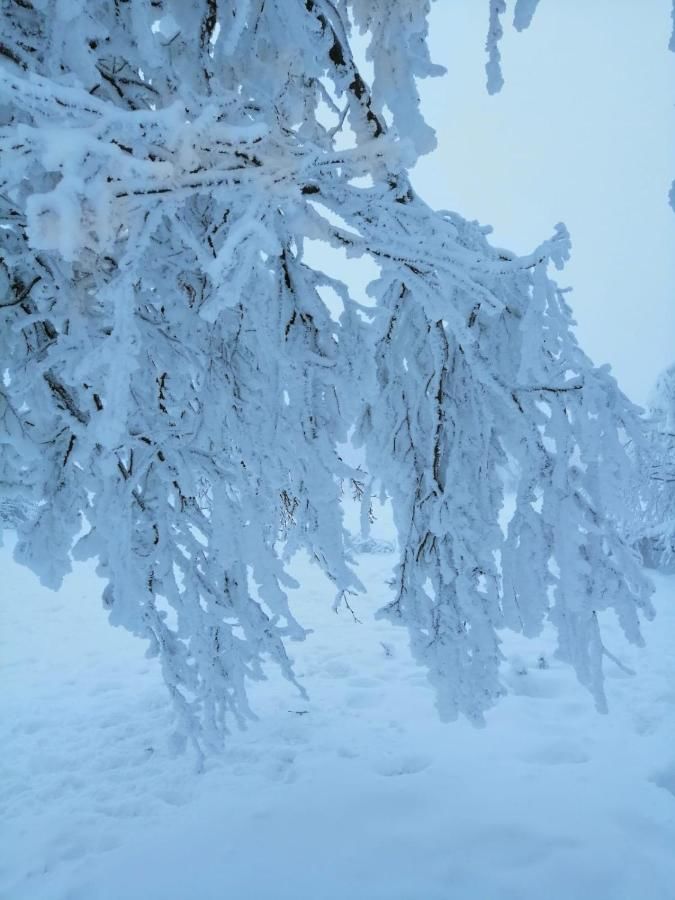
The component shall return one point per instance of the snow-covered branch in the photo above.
(177, 388)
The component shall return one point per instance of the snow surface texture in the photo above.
(359, 792)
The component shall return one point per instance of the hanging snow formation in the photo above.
(175, 383)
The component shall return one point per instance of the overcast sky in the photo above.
(583, 133)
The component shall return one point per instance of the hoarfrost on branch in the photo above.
(175, 384)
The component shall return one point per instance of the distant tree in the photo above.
(656, 527)
(176, 385)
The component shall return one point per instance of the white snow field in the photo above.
(360, 793)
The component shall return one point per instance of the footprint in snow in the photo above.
(558, 754)
(665, 778)
(361, 681)
(409, 764)
(104, 687)
(337, 669)
(511, 846)
(347, 752)
(361, 700)
(645, 722)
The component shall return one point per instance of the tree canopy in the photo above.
(178, 385)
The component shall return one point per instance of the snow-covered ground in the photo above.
(360, 793)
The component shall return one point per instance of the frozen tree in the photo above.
(177, 387)
(656, 528)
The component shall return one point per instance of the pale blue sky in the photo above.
(583, 133)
